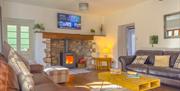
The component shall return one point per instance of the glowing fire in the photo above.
(69, 59)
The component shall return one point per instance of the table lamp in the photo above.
(106, 51)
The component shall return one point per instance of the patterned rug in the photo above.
(78, 71)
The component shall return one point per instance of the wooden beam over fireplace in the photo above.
(51, 35)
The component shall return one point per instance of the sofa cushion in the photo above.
(8, 79)
(6, 49)
(162, 61)
(151, 55)
(26, 82)
(41, 78)
(16, 63)
(165, 72)
(24, 60)
(140, 59)
(142, 68)
(177, 63)
(36, 68)
(47, 87)
(173, 56)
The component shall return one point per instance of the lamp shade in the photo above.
(106, 51)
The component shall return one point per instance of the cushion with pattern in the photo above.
(177, 63)
(140, 59)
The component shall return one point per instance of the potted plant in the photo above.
(154, 40)
(39, 27)
(93, 31)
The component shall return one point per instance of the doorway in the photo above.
(126, 40)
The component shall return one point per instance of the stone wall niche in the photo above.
(81, 48)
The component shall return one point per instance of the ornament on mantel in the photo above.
(93, 31)
(39, 28)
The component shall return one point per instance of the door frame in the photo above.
(122, 39)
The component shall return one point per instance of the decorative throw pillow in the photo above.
(24, 60)
(140, 60)
(162, 61)
(177, 63)
(26, 82)
(6, 51)
(16, 63)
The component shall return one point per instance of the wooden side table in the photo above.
(103, 63)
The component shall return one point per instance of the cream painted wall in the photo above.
(148, 19)
(48, 17)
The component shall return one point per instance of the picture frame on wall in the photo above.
(172, 25)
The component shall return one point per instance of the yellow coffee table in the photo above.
(143, 83)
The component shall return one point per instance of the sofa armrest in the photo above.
(36, 68)
(125, 60)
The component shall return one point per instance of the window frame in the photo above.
(19, 23)
(166, 31)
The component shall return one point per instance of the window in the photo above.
(18, 39)
(12, 35)
(18, 33)
(172, 25)
(24, 38)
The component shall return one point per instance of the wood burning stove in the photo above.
(67, 58)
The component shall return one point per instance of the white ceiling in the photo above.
(96, 6)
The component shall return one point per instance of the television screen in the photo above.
(68, 21)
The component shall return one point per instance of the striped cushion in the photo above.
(177, 63)
(140, 60)
(16, 63)
(26, 82)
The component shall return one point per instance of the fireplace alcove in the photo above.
(67, 57)
(65, 49)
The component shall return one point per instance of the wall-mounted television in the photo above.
(69, 21)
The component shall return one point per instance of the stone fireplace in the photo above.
(66, 52)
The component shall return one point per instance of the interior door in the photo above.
(131, 48)
(19, 35)
(126, 40)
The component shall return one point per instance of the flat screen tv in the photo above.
(69, 21)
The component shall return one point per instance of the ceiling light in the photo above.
(83, 6)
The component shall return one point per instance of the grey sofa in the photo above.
(168, 75)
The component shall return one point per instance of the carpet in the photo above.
(78, 71)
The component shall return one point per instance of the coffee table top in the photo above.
(135, 84)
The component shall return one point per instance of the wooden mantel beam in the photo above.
(50, 35)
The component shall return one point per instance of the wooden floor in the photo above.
(83, 79)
